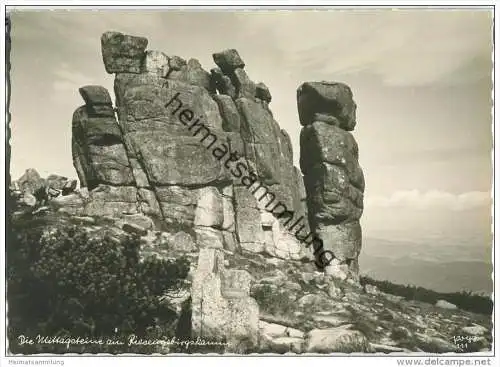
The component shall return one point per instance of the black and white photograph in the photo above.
(240, 181)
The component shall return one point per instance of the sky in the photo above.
(421, 80)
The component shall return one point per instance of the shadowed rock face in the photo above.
(99, 154)
(333, 178)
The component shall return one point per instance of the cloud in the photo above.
(65, 84)
(67, 80)
(80, 26)
(431, 199)
(405, 47)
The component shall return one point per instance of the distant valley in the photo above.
(448, 268)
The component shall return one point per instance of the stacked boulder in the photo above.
(100, 158)
(99, 154)
(333, 178)
(157, 157)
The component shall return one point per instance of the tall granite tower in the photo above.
(333, 178)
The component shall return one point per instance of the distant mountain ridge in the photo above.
(428, 266)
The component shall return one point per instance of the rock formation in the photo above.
(31, 190)
(221, 302)
(196, 153)
(194, 164)
(333, 178)
(157, 157)
(29, 182)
